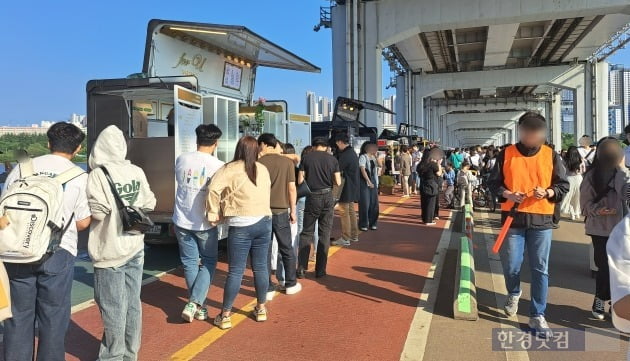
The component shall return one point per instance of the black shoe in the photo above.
(320, 275)
(301, 273)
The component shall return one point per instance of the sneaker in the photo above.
(540, 326)
(430, 224)
(355, 239)
(341, 242)
(301, 273)
(363, 229)
(293, 289)
(374, 228)
(260, 314)
(598, 309)
(189, 312)
(271, 293)
(202, 314)
(511, 304)
(436, 218)
(223, 322)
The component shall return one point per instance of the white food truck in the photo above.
(192, 74)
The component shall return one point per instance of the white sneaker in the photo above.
(270, 295)
(355, 239)
(341, 242)
(539, 324)
(293, 289)
(511, 304)
(189, 312)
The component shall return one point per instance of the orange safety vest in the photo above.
(522, 174)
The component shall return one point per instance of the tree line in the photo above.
(34, 144)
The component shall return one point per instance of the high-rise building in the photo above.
(389, 120)
(324, 108)
(615, 119)
(625, 111)
(615, 85)
(567, 115)
(312, 106)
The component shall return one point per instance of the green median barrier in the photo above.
(465, 292)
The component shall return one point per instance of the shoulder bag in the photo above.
(134, 220)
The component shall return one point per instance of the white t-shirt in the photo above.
(74, 195)
(193, 172)
(587, 154)
(474, 160)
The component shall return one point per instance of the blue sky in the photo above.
(50, 49)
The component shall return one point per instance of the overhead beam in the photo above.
(499, 44)
(434, 83)
(401, 19)
(480, 118)
(476, 125)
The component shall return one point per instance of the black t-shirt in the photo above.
(428, 173)
(319, 168)
(349, 167)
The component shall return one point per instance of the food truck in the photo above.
(192, 74)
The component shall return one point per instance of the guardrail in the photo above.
(465, 292)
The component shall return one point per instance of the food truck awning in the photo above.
(234, 41)
(360, 105)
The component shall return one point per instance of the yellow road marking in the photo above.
(202, 342)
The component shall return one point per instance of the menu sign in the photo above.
(232, 76)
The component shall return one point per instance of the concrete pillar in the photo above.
(579, 99)
(601, 101)
(371, 64)
(401, 101)
(339, 55)
(587, 104)
(556, 120)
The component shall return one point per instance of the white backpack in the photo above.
(32, 213)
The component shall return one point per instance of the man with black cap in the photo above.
(529, 178)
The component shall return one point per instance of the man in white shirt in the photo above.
(41, 291)
(196, 237)
(586, 150)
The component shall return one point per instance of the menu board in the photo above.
(232, 76)
(188, 115)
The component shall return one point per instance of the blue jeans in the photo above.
(243, 241)
(538, 244)
(194, 245)
(39, 292)
(117, 294)
(368, 205)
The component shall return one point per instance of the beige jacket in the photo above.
(231, 193)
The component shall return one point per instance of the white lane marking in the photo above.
(418, 334)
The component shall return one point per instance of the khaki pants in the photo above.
(349, 225)
(405, 184)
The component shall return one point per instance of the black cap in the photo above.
(532, 120)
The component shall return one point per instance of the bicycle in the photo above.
(483, 197)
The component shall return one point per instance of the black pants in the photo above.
(602, 281)
(368, 206)
(319, 207)
(428, 207)
(281, 228)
